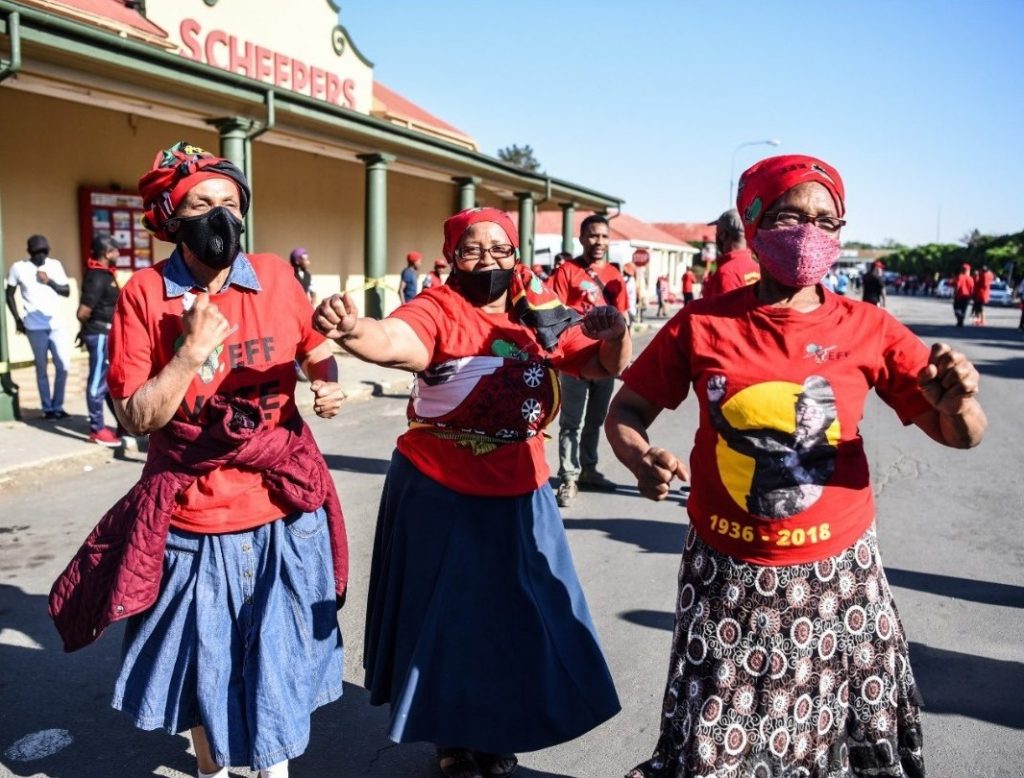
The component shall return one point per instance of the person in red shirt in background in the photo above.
(434, 277)
(246, 605)
(788, 651)
(477, 631)
(736, 265)
(583, 283)
(688, 280)
(963, 292)
(982, 294)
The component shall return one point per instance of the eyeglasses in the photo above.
(793, 218)
(501, 251)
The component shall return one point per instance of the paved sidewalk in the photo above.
(34, 443)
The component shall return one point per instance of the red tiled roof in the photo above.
(113, 14)
(391, 105)
(689, 231)
(622, 227)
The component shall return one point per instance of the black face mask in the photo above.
(214, 236)
(38, 258)
(483, 286)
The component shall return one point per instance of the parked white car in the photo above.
(1000, 294)
(944, 289)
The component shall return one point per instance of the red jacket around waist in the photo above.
(117, 571)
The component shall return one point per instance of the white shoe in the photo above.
(279, 770)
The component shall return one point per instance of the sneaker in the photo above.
(105, 437)
(566, 493)
(592, 479)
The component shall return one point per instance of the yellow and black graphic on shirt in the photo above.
(777, 443)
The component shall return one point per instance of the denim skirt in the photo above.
(243, 640)
(477, 631)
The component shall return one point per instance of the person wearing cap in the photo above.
(299, 259)
(408, 283)
(42, 282)
(95, 313)
(873, 285)
(237, 640)
(788, 654)
(434, 277)
(735, 264)
(477, 631)
(582, 283)
(963, 293)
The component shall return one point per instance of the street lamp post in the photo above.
(732, 166)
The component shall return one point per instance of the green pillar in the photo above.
(376, 231)
(235, 147)
(568, 215)
(525, 227)
(9, 410)
(467, 191)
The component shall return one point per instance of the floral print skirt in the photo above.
(798, 671)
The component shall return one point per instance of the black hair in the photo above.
(594, 218)
(101, 244)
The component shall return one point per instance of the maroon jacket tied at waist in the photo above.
(117, 571)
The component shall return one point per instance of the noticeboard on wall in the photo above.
(118, 214)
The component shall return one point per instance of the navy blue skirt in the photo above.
(477, 631)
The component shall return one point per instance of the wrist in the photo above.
(190, 356)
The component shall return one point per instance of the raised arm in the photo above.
(950, 382)
(154, 403)
(389, 342)
(629, 417)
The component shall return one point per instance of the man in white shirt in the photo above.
(42, 280)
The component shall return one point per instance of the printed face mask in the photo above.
(483, 286)
(214, 236)
(796, 256)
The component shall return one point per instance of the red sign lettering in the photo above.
(227, 52)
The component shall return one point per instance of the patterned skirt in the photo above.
(787, 672)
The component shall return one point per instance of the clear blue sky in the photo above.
(920, 105)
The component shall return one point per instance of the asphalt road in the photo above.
(950, 537)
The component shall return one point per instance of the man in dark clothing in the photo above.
(874, 285)
(300, 265)
(96, 312)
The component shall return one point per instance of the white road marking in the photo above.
(39, 745)
(17, 638)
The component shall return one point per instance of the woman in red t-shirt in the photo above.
(788, 655)
(477, 631)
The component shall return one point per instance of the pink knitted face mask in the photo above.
(796, 256)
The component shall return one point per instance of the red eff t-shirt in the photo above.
(577, 287)
(256, 362)
(778, 466)
(452, 328)
(735, 269)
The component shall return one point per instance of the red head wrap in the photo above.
(766, 181)
(455, 227)
(175, 171)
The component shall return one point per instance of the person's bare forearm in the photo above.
(627, 434)
(320, 365)
(154, 403)
(370, 341)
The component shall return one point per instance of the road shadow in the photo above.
(388, 390)
(986, 592)
(966, 685)
(350, 464)
(998, 336)
(652, 619)
(653, 537)
(43, 688)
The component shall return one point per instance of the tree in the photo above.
(520, 156)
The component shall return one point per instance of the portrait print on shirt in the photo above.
(777, 443)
